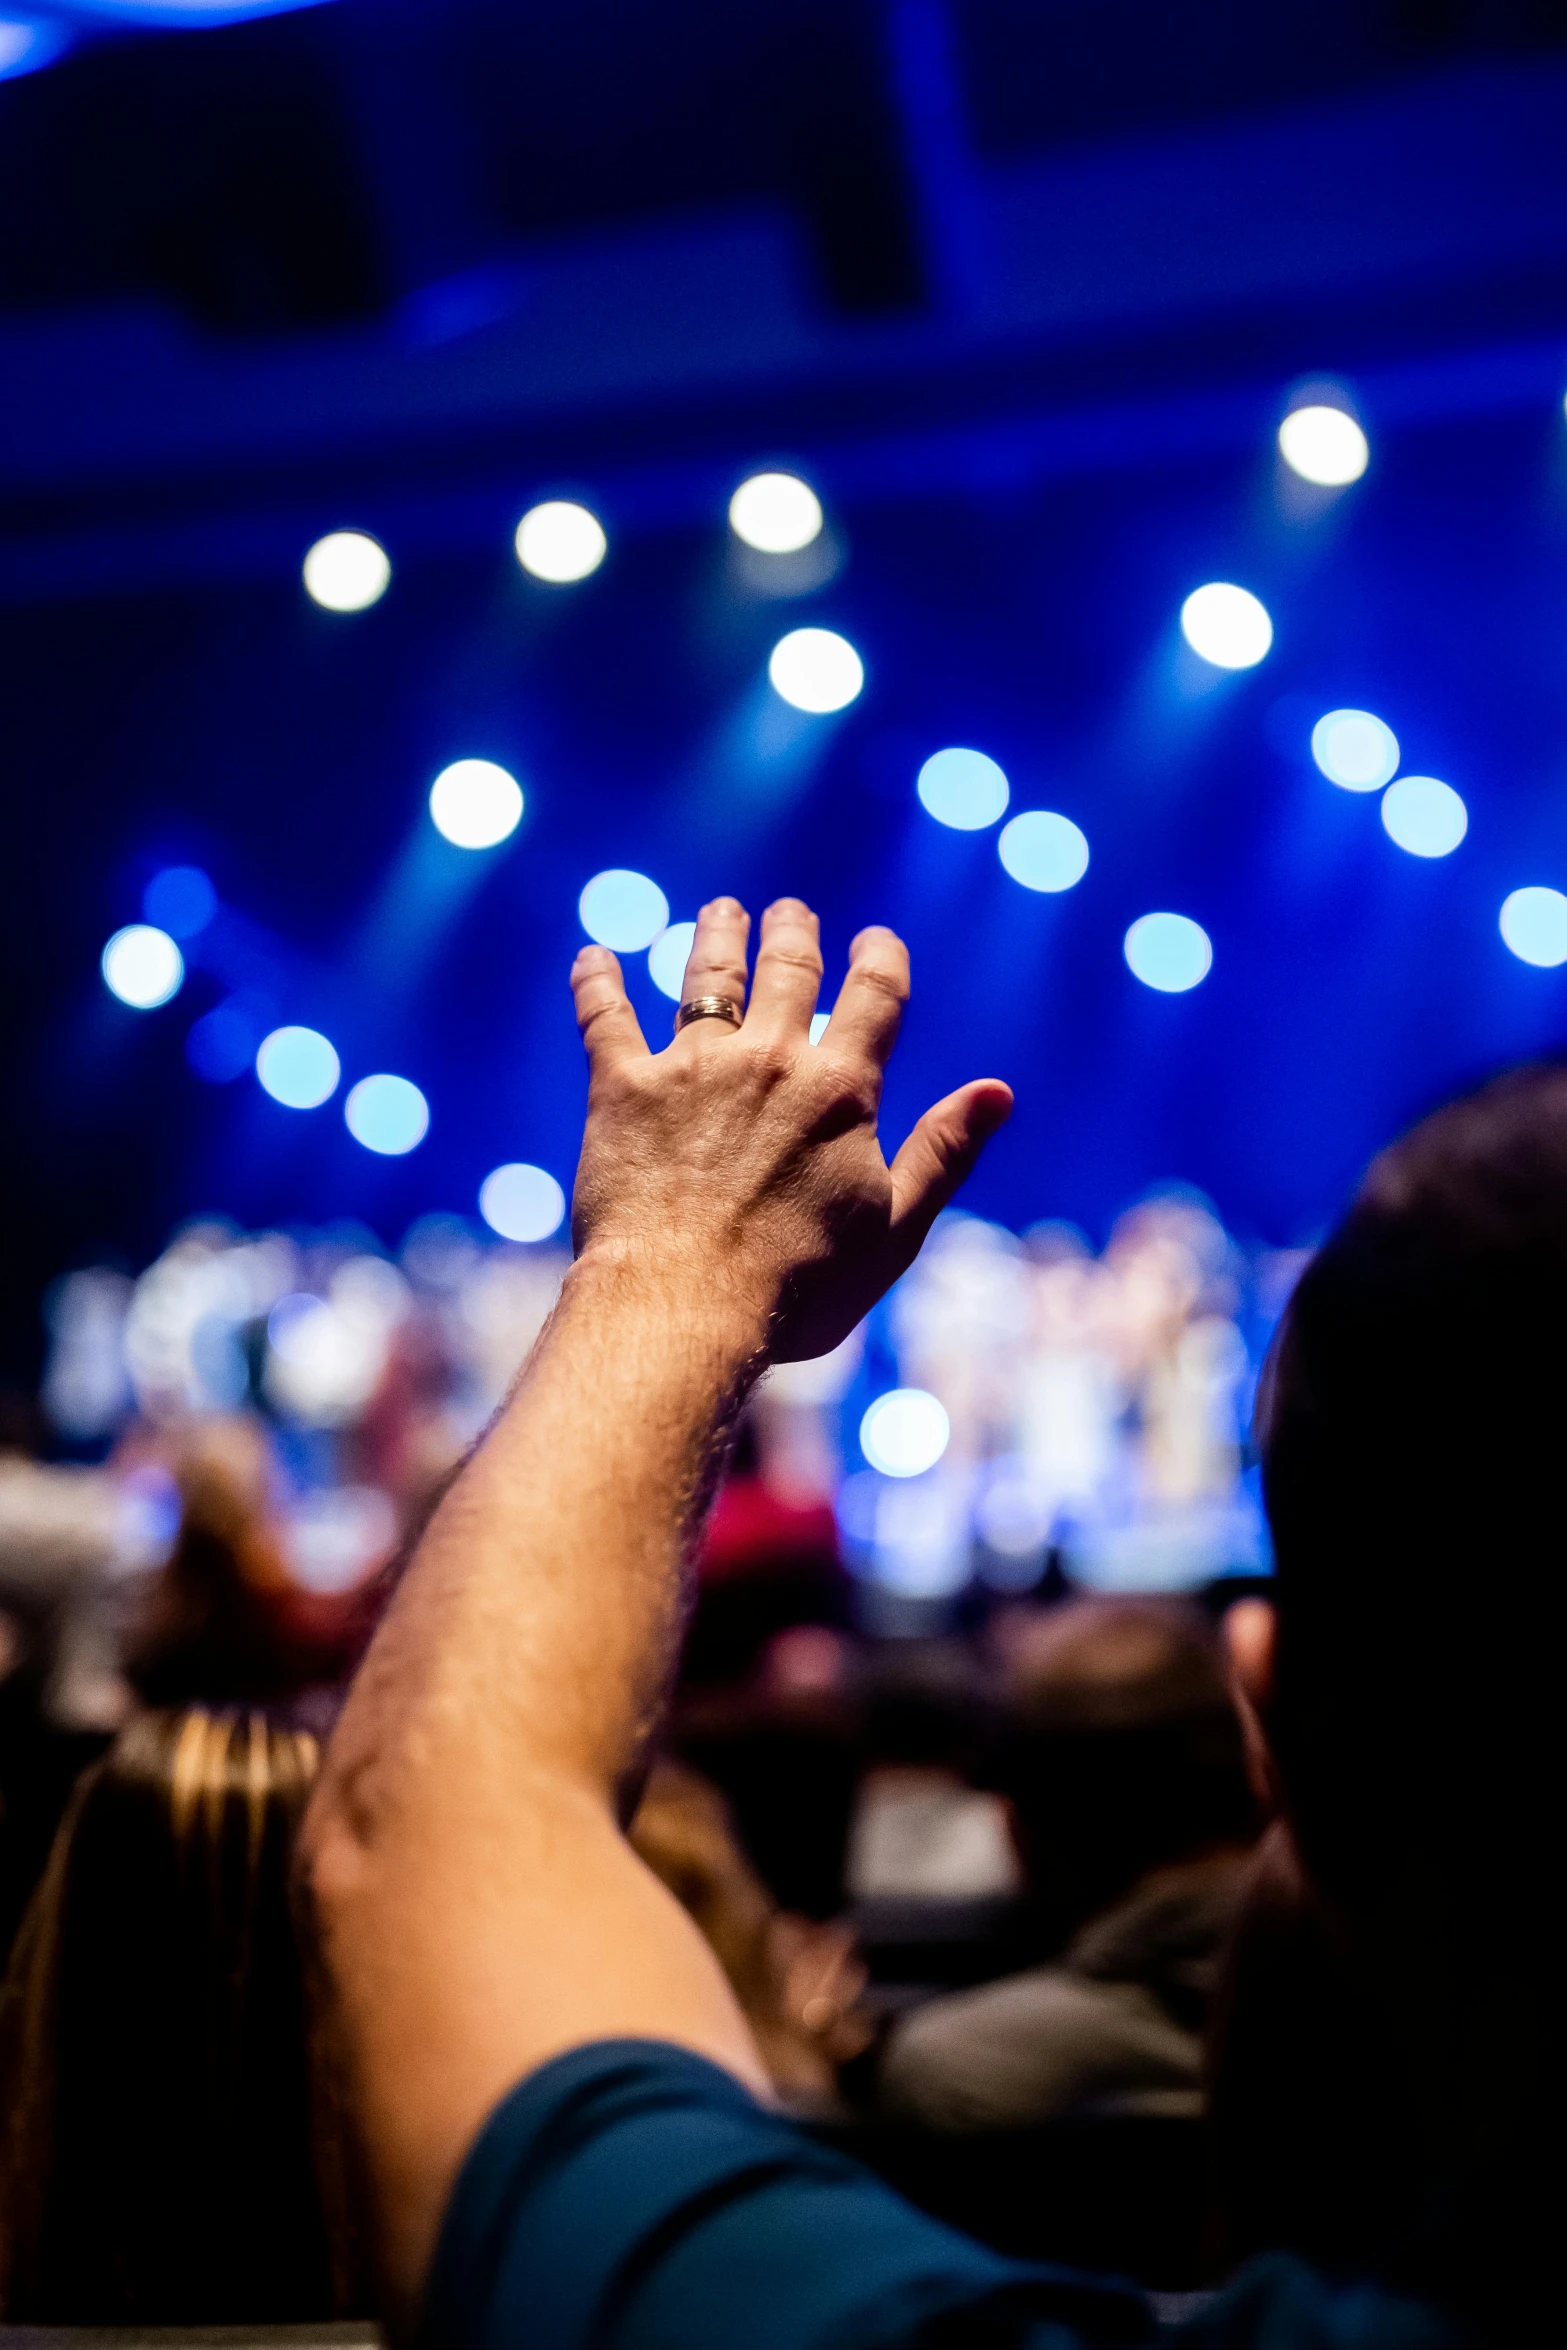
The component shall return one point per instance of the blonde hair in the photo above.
(167, 2155)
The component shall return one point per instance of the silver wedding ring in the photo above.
(707, 1007)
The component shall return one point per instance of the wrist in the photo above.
(722, 1306)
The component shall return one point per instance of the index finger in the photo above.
(869, 1010)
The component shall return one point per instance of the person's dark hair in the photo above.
(1412, 1424)
(167, 2157)
(1412, 1431)
(1123, 1752)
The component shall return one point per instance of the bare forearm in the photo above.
(535, 1627)
(476, 1906)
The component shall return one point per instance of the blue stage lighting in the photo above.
(815, 669)
(776, 513)
(905, 1433)
(347, 571)
(1355, 750)
(26, 45)
(1226, 625)
(1169, 952)
(963, 789)
(522, 1202)
(819, 1022)
(623, 910)
(180, 900)
(1324, 445)
(475, 804)
(142, 966)
(668, 957)
(387, 1115)
(1534, 926)
(1043, 851)
(1423, 816)
(298, 1067)
(560, 541)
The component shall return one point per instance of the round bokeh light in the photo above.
(1355, 750)
(963, 789)
(815, 669)
(475, 804)
(560, 541)
(1534, 926)
(522, 1202)
(668, 957)
(905, 1433)
(1169, 952)
(142, 966)
(1044, 851)
(347, 571)
(298, 1067)
(776, 513)
(1226, 625)
(623, 910)
(1425, 817)
(387, 1114)
(1324, 445)
(180, 900)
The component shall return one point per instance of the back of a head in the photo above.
(1412, 1423)
(1125, 1751)
(1413, 1428)
(160, 2128)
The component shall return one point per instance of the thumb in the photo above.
(939, 1156)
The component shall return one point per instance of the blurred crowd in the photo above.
(956, 1782)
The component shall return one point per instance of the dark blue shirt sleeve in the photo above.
(630, 2196)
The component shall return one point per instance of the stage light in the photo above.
(475, 804)
(25, 46)
(347, 571)
(1355, 750)
(1534, 926)
(963, 789)
(387, 1115)
(668, 957)
(1423, 816)
(819, 1022)
(814, 669)
(1043, 851)
(560, 541)
(1324, 445)
(1226, 625)
(905, 1433)
(623, 910)
(180, 900)
(1169, 952)
(298, 1067)
(776, 513)
(522, 1202)
(142, 966)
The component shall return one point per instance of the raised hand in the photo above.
(748, 1158)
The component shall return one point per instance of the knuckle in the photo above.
(801, 957)
(773, 1062)
(884, 979)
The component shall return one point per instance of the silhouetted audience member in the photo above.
(1126, 1768)
(225, 1622)
(1411, 1419)
(167, 2157)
